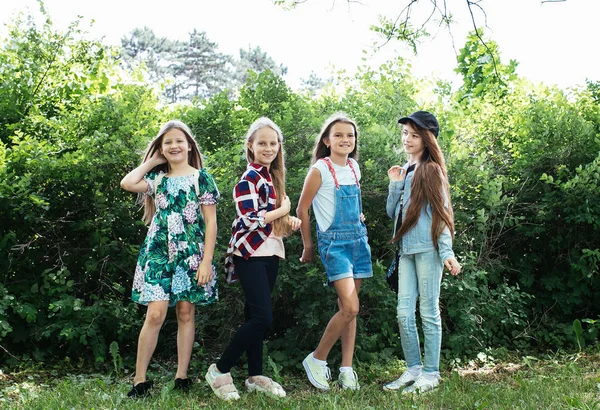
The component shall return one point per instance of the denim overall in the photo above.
(344, 247)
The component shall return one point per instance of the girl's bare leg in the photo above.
(155, 316)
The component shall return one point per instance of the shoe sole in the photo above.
(311, 379)
(262, 390)
(401, 387)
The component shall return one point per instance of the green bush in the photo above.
(522, 159)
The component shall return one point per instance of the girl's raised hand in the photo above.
(158, 158)
(204, 273)
(396, 173)
(307, 255)
(453, 266)
(295, 223)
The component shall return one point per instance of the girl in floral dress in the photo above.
(175, 263)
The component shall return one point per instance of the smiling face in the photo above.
(264, 146)
(412, 141)
(341, 139)
(175, 146)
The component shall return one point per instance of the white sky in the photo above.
(553, 43)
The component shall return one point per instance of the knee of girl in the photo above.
(185, 316)
(403, 322)
(350, 312)
(154, 318)
(431, 319)
(429, 309)
(262, 322)
(405, 310)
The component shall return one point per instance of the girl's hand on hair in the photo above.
(295, 223)
(453, 266)
(307, 255)
(286, 204)
(158, 158)
(204, 273)
(396, 173)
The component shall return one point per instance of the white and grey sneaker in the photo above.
(403, 381)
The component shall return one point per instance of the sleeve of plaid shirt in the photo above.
(247, 207)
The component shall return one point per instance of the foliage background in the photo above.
(523, 158)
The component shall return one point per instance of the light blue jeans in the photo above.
(420, 276)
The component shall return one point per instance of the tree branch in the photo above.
(475, 3)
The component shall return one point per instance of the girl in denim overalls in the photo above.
(418, 192)
(332, 186)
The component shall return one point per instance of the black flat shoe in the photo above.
(140, 390)
(183, 384)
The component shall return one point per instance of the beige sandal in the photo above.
(266, 385)
(221, 384)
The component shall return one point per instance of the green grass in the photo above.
(552, 382)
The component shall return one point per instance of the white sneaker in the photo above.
(403, 381)
(423, 384)
(318, 375)
(349, 380)
(221, 384)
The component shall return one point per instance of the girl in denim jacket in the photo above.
(419, 202)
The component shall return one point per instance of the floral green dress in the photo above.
(174, 246)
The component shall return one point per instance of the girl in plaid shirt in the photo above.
(253, 255)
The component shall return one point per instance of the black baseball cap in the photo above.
(423, 119)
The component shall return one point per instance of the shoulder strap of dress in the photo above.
(196, 186)
(157, 181)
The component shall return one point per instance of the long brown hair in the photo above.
(429, 184)
(194, 159)
(281, 226)
(321, 150)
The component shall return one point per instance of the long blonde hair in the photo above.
(281, 226)
(194, 159)
(321, 150)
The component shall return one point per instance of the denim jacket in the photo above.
(418, 239)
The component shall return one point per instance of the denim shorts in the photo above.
(345, 258)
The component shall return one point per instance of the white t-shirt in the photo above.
(324, 201)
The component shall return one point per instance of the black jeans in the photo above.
(257, 276)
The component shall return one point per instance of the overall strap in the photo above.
(329, 164)
(354, 172)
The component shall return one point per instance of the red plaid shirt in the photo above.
(254, 196)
